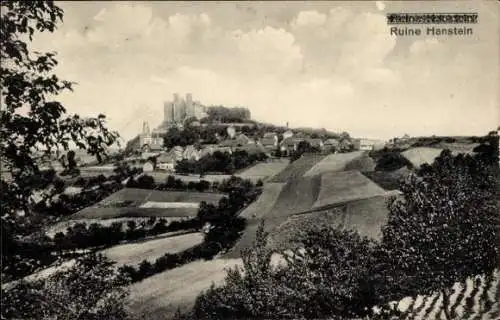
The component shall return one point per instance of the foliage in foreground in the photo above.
(327, 278)
(441, 232)
(89, 290)
(33, 124)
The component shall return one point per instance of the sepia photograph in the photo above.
(179, 160)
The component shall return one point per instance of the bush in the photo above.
(391, 161)
(91, 289)
(330, 277)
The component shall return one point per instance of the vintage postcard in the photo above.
(250, 159)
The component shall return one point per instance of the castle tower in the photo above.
(145, 129)
(168, 112)
(189, 105)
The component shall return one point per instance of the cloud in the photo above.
(310, 18)
(380, 5)
(334, 66)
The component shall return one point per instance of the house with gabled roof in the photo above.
(315, 143)
(177, 153)
(331, 144)
(289, 145)
(191, 153)
(269, 141)
(166, 162)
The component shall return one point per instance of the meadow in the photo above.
(264, 170)
(140, 196)
(340, 187)
(150, 249)
(261, 207)
(333, 163)
(298, 168)
(133, 212)
(160, 296)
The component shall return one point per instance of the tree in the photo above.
(302, 147)
(328, 276)
(91, 289)
(27, 83)
(391, 160)
(34, 125)
(145, 182)
(443, 229)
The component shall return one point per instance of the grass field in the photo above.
(140, 196)
(345, 186)
(127, 203)
(333, 162)
(261, 207)
(159, 296)
(297, 168)
(363, 164)
(419, 156)
(134, 212)
(264, 170)
(160, 177)
(366, 216)
(166, 205)
(134, 253)
(297, 195)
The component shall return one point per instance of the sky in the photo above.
(330, 65)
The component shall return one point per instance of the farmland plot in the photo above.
(333, 163)
(340, 187)
(134, 196)
(263, 170)
(296, 196)
(134, 212)
(421, 155)
(159, 296)
(134, 253)
(366, 216)
(477, 298)
(261, 207)
(296, 169)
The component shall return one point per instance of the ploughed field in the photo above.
(347, 199)
(264, 170)
(366, 216)
(140, 196)
(477, 298)
(298, 168)
(137, 203)
(333, 163)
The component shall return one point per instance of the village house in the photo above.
(331, 145)
(287, 134)
(177, 153)
(270, 141)
(368, 144)
(242, 139)
(289, 145)
(345, 145)
(315, 143)
(165, 162)
(253, 149)
(239, 141)
(149, 166)
(190, 153)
